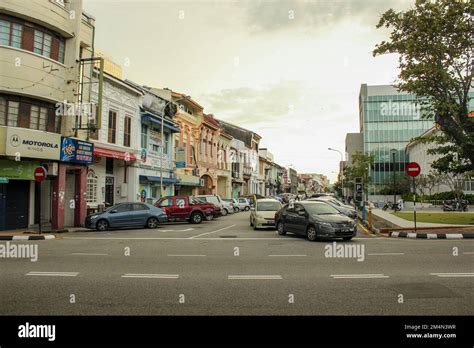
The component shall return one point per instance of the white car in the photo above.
(243, 204)
(214, 199)
(228, 206)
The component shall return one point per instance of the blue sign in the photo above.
(180, 164)
(76, 151)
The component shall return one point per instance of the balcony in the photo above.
(247, 170)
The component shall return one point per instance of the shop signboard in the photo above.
(19, 170)
(28, 143)
(76, 151)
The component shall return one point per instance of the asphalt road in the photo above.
(225, 267)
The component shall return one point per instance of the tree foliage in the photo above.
(434, 40)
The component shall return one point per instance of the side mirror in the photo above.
(301, 213)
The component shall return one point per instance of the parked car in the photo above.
(214, 199)
(243, 203)
(129, 214)
(251, 198)
(187, 208)
(313, 220)
(342, 208)
(227, 206)
(322, 194)
(262, 214)
(235, 203)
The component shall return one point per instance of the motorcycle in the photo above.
(393, 206)
(455, 205)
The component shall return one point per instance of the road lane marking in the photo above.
(151, 276)
(254, 277)
(186, 255)
(469, 253)
(366, 231)
(382, 254)
(452, 275)
(185, 230)
(206, 233)
(53, 274)
(89, 254)
(302, 255)
(358, 276)
(282, 239)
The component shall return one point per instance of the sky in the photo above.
(289, 70)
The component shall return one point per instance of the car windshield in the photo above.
(268, 206)
(320, 209)
(114, 207)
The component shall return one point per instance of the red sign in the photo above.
(40, 174)
(413, 169)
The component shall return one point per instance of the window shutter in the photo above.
(55, 49)
(28, 38)
(50, 124)
(24, 115)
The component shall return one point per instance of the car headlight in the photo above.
(325, 225)
(94, 217)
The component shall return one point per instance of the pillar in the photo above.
(80, 192)
(59, 185)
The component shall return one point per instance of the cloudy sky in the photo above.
(290, 70)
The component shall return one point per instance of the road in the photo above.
(225, 267)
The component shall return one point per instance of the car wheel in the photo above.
(280, 229)
(311, 233)
(224, 212)
(152, 222)
(102, 225)
(196, 218)
(209, 217)
(247, 208)
(347, 238)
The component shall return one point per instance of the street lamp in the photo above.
(342, 170)
(163, 138)
(394, 152)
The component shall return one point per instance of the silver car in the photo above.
(243, 204)
(342, 208)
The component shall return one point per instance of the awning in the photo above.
(146, 178)
(126, 156)
(188, 180)
(148, 116)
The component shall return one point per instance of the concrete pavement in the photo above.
(225, 267)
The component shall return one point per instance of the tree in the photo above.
(432, 180)
(435, 45)
(456, 181)
(359, 169)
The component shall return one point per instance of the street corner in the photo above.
(23, 237)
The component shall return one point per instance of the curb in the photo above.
(38, 237)
(431, 235)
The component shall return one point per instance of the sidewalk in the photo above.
(386, 215)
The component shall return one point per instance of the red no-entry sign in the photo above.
(40, 174)
(413, 169)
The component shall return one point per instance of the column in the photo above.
(80, 192)
(59, 185)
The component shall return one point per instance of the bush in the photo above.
(441, 196)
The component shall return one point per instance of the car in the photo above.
(314, 220)
(214, 199)
(337, 202)
(342, 208)
(127, 214)
(252, 197)
(235, 203)
(322, 194)
(243, 203)
(187, 208)
(262, 214)
(227, 206)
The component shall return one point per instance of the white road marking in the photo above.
(151, 276)
(452, 275)
(186, 255)
(254, 277)
(469, 253)
(454, 236)
(53, 274)
(206, 233)
(381, 254)
(358, 276)
(185, 230)
(282, 239)
(89, 254)
(302, 255)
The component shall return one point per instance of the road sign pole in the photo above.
(39, 207)
(414, 202)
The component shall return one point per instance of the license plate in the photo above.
(270, 221)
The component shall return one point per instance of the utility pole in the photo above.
(394, 178)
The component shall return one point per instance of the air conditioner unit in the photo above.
(123, 190)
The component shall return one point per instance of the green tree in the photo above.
(434, 40)
(359, 169)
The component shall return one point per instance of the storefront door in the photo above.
(16, 198)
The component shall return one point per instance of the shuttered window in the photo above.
(127, 131)
(112, 127)
(31, 37)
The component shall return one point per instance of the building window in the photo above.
(31, 37)
(112, 127)
(91, 190)
(191, 150)
(127, 131)
(166, 144)
(109, 165)
(144, 136)
(28, 113)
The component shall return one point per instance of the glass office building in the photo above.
(388, 121)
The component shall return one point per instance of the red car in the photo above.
(187, 208)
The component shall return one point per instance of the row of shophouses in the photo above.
(103, 139)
